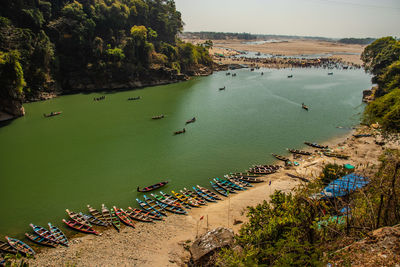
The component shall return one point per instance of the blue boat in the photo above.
(218, 189)
(59, 235)
(43, 233)
(40, 240)
(153, 208)
(225, 186)
(204, 195)
(230, 184)
(165, 206)
(20, 246)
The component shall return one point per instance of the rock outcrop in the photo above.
(380, 248)
(206, 246)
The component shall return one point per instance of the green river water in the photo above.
(100, 151)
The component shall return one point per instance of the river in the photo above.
(99, 151)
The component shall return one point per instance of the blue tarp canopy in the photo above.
(345, 185)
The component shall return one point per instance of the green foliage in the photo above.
(385, 110)
(380, 54)
(279, 233)
(382, 59)
(83, 39)
(11, 74)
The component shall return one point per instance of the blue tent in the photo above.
(344, 185)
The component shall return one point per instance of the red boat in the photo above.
(121, 214)
(152, 187)
(51, 114)
(80, 227)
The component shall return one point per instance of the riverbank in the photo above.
(162, 243)
(349, 53)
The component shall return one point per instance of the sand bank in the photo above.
(345, 52)
(162, 243)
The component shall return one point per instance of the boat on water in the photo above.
(290, 76)
(238, 181)
(315, 145)
(115, 221)
(93, 220)
(152, 187)
(230, 185)
(169, 201)
(78, 218)
(330, 73)
(80, 227)
(134, 98)
(219, 190)
(303, 106)
(59, 235)
(208, 192)
(336, 155)
(300, 152)
(280, 157)
(20, 246)
(52, 114)
(184, 204)
(141, 215)
(261, 171)
(248, 179)
(180, 132)
(106, 214)
(362, 135)
(193, 195)
(40, 231)
(158, 117)
(121, 214)
(185, 199)
(152, 206)
(40, 240)
(191, 120)
(203, 195)
(222, 88)
(5, 247)
(97, 214)
(169, 208)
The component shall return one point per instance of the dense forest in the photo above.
(382, 60)
(361, 41)
(68, 45)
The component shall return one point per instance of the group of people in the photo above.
(99, 98)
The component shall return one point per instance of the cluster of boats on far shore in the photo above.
(153, 207)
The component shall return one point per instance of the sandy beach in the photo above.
(163, 243)
(345, 52)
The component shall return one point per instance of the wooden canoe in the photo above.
(230, 184)
(191, 120)
(152, 187)
(115, 220)
(168, 207)
(188, 200)
(40, 240)
(59, 235)
(106, 214)
(158, 117)
(183, 204)
(5, 247)
(300, 152)
(315, 145)
(193, 195)
(139, 215)
(78, 218)
(203, 195)
(157, 209)
(93, 220)
(97, 214)
(124, 217)
(219, 189)
(280, 157)
(80, 227)
(169, 201)
(20, 246)
(208, 192)
(40, 231)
